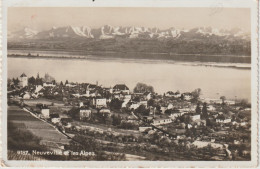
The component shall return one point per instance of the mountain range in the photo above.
(196, 44)
(110, 32)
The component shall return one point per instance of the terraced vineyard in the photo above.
(26, 122)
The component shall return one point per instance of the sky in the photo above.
(43, 18)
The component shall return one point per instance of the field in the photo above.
(25, 121)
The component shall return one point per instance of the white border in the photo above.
(136, 3)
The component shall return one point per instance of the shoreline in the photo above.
(243, 66)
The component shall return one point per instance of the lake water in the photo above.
(163, 76)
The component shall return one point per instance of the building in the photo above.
(187, 96)
(148, 95)
(84, 113)
(163, 109)
(195, 117)
(134, 106)
(201, 144)
(71, 85)
(230, 102)
(100, 102)
(23, 80)
(121, 88)
(105, 112)
(223, 119)
(172, 94)
(81, 104)
(45, 111)
(127, 97)
(161, 121)
(143, 103)
(38, 88)
(55, 118)
(211, 108)
(212, 101)
(48, 84)
(170, 106)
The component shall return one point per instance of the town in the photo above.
(114, 123)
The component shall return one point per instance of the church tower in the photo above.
(23, 80)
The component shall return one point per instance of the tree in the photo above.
(196, 94)
(141, 88)
(74, 112)
(182, 97)
(38, 80)
(150, 102)
(142, 110)
(9, 82)
(16, 81)
(38, 76)
(168, 112)
(204, 111)
(54, 82)
(116, 120)
(31, 80)
(198, 109)
(66, 82)
(223, 98)
(136, 99)
(61, 83)
(116, 104)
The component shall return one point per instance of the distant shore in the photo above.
(114, 56)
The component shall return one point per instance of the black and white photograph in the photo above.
(129, 84)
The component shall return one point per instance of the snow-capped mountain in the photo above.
(109, 32)
(24, 33)
(63, 32)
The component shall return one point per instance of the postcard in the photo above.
(129, 83)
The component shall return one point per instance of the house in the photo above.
(195, 117)
(70, 85)
(45, 111)
(134, 106)
(55, 118)
(100, 102)
(163, 109)
(144, 129)
(200, 122)
(201, 144)
(127, 97)
(81, 104)
(148, 95)
(187, 96)
(161, 121)
(48, 84)
(173, 116)
(173, 94)
(148, 119)
(105, 112)
(124, 104)
(143, 103)
(121, 88)
(230, 102)
(222, 118)
(211, 108)
(169, 94)
(84, 113)
(38, 88)
(91, 87)
(23, 80)
(208, 100)
(170, 106)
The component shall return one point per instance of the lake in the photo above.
(215, 80)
